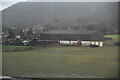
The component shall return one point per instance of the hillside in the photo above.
(28, 14)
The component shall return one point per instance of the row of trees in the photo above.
(37, 29)
(10, 33)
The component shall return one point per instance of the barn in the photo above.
(91, 36)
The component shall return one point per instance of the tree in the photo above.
(11, 34)
(76, 27)
(103, 30)
(21, 32)
(91, 27)
(30, 32)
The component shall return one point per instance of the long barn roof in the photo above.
(84, 32)
(85, 35)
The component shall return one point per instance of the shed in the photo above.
(72, 35)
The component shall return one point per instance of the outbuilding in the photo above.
(90, 37)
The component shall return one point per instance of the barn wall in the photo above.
(65, 37)
(49, 37)
(97, 36)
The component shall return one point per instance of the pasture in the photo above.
(9, 48)
(62, 62)
(113, 36)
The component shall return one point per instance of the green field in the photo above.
(14, 48)
(113, 36)
(70, 62)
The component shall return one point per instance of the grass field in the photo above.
(13, 48)
(73, 62)
(113, 36)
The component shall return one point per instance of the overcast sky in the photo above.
(6, 3)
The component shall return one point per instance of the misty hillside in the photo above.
(60, 14)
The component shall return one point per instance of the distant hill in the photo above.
(59, 14)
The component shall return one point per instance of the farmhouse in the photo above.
(89, 37)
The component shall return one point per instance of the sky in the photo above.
(6, 3)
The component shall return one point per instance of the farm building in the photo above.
(87, 36)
